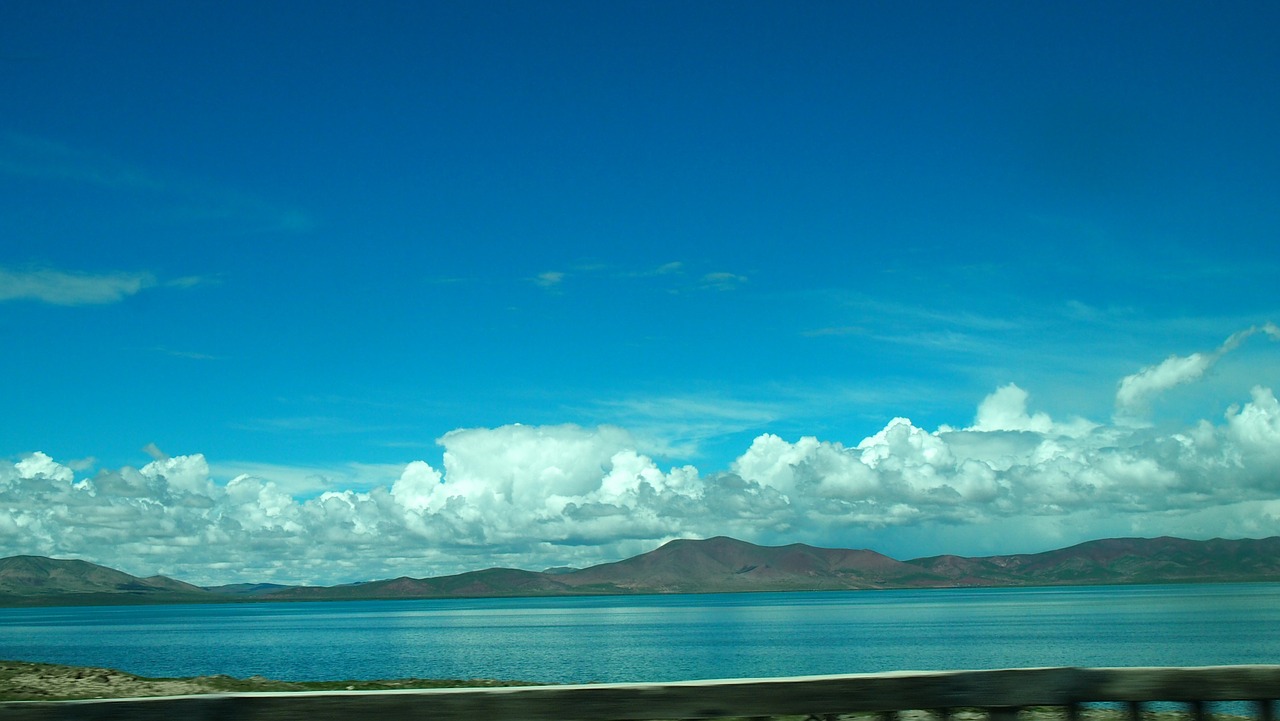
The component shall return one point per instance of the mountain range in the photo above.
(714, 565)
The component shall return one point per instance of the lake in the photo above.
(661, 638)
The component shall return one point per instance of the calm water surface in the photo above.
(652, 638)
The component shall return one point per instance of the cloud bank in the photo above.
(540, 496)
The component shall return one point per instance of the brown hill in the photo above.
(492, 582)
(696, 566)
(28, 580)
(246, 589)
(726, 564)
(1118, 560)
(684, 566)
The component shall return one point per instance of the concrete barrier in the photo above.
(999, 691)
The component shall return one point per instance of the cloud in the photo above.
(73, 288)
(69, 288)
(549, 279)
(550, 495)
(313, 424)
(835, 331)
(942, 331)
(186, 199)
(677, 426)
(514, 486)
(1006, 410)
(1136, 391)
(39, 158)
(188, 281)
(722, 281)
(554, 278)
(151, 449)
(190, 355)
(1173, 371)
(673, 277)
(310, 481)
(674, 267)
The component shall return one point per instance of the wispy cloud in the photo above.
(549, 280)
(835, 331)
(190, 281)
(43, 159)
(188, 200)
(151, 449)
(190, 355)
(674, 277)
(73, 288)
(677, 425)
(917, 316)
(311, 424)
(60, 287)
(1137, 389)
(722, 281)
(675, 267)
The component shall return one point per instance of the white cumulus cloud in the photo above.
(551, 495)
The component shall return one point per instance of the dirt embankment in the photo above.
(24, 681)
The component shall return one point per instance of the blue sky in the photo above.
(318, 247)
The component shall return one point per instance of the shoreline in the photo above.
(28, 681)
(34, 681)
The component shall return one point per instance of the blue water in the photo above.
(658, 638)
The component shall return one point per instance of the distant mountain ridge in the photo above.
(726, 564)
(714, 565)
(27, 579)
(1120, 560)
